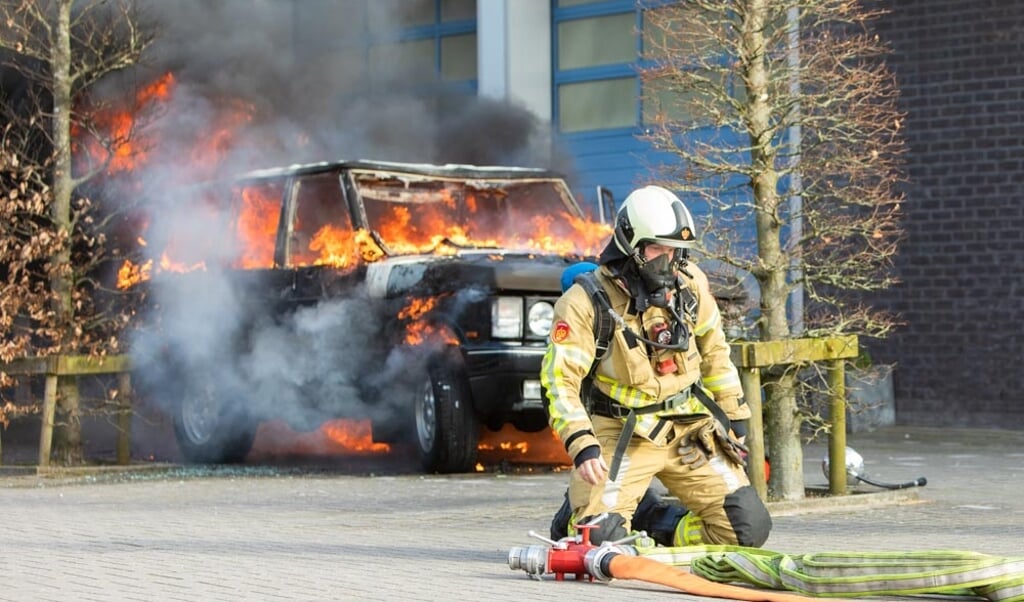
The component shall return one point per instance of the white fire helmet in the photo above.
(653, 214)
(854, 464)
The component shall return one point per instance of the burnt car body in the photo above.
(442, 281)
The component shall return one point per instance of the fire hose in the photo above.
(576, 555)
(823, 575)
(838, 574)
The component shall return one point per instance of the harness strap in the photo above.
(603, 405)
(603, 323)
(622, 444)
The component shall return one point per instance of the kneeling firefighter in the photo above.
(640, 385)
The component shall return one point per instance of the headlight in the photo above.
(507, 318)
(538, 319)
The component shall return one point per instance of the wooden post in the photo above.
(124, 418)
(837, 436)
(750, 356)
(49, 411)
(53, 367)
(750, 379)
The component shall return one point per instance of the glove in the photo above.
(713, 436)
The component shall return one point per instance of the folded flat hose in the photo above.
(621, 566)
(838, 574)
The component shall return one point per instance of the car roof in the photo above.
(449, 170)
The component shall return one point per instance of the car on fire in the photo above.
(441, 280)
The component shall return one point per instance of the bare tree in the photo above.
(782, 124)
(54, 54)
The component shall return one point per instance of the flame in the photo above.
(257, 227)
(418, 330)
(353, 436)
(416, 308)
(334, 437)
(333, 246)
(511, 444)
(404, 228)
(219, 138)
(560, 233)
(131, 274)
(124, 137)
(116, 135)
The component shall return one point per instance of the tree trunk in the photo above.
(68, 430)
(782, 427)
(67, 424)
(782, 422)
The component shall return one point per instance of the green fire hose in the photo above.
(838, 575)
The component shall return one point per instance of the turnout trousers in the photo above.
(723, 507)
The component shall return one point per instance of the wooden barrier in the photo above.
(56, 366)
(751, 357)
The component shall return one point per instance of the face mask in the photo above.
(659, 272)
(659, 277)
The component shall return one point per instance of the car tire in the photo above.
(447, 429)
(208, 429)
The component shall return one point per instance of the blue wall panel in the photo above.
(617, 160)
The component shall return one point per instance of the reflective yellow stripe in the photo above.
(728, 379)
(712, 322)
(1000, 579)
(635, 398)
(562, 407)
(689, 531)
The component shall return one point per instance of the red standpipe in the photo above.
(579, 557)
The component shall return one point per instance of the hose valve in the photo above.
(573, 555)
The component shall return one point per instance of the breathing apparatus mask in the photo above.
(659, 275)
(653, 215)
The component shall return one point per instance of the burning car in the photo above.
(418, 297)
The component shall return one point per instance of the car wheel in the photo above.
(447, 429)
(208, 429)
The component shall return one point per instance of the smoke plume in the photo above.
(305, 101)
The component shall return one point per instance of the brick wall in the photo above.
(960, 356)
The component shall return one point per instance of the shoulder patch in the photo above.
(560, 332)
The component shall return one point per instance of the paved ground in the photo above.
(369, 529)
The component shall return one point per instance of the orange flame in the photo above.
(426, 229)
(131, 274)
(257, 228)
(334, 437)
(353, 436)
(419, 331)
(511, 444)
(120, 143)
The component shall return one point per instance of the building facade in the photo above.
(572, 63)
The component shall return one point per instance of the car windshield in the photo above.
(410, 214)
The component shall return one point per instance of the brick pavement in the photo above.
(361, 531)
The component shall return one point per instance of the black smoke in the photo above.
(307, 104)
(316, 95)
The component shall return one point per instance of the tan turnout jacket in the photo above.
(630, 375)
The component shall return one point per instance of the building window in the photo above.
(596, 41)
(596, 105)
(663, 98)
(596, 51)
(418, 42)
(458, 57)
(458, 10)
(415, 58)
(436, 39)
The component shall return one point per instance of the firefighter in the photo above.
(663, 401)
